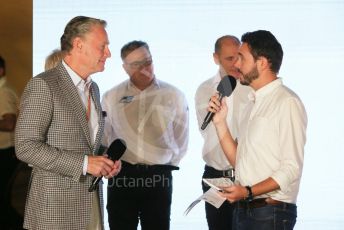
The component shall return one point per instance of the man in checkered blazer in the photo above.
(59, 132)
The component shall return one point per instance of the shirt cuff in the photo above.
(282, 181)
(84, 167)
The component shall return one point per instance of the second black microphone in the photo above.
(115, 152)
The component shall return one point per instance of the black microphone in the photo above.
(225, 89)
(115, 152)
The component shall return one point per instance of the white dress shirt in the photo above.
(153, 122)
(212, 152)
(273, 136)
(8, 105)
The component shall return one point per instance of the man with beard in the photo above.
(268, 158)
(225, 56)
(152, 117)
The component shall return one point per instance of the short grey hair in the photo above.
(78, 27)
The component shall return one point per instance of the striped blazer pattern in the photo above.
(52, 134)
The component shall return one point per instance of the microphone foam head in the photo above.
(227, 85)
(116, 149)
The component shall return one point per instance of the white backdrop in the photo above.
(181, 35)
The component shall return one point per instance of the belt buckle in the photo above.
(228, 173)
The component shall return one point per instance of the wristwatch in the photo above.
(249, 194)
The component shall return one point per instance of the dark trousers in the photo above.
(221, 218)
(140, 193)
(9, 218)
(269, 217)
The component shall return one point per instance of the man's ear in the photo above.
(263, 63)
(216, 58)
(77, 43)
(126, 68)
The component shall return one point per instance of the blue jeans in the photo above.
(269, 217)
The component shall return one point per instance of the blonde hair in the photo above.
(53, 59)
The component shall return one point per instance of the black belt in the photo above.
(145, 167)
(220, 173)
(261, 202)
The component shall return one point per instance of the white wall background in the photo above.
(181, 35)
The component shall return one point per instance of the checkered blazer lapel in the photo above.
(70, 92)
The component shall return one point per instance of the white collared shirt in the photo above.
(273, 136)
(212, 152)
(153, 122)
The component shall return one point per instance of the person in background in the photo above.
(152, 117)
(53, 59)
(59, 132)
(8, 162)
(216, 164)
(268, 158)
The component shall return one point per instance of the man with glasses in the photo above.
(152, 117)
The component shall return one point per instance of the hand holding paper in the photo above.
(212, 196)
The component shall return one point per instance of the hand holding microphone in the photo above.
(225, 89)
(114, 152)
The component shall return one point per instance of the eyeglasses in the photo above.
(140, 64)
